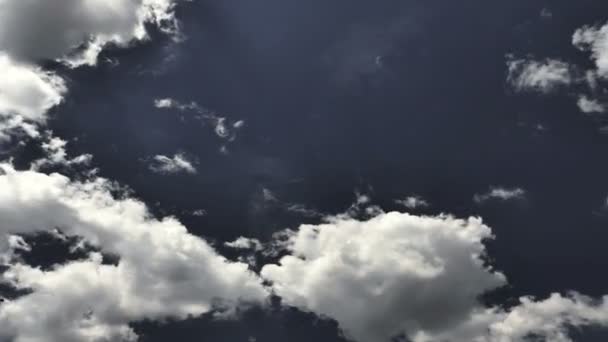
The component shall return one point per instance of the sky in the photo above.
(335, 171)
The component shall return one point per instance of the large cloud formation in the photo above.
(34, 30)
(71, 31)
(163, 271)
(26, 94)
(420, 276)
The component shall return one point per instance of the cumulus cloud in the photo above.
(71, 31)
(418, 276)
(595, 40)
(163, 271)
(56, 154)
(542, 76)
(393, 273)
(76, 31)
(171, 165)
(26, 94)
(500, 193)
(588, 105)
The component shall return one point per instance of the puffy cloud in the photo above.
(163, 271)
(551, 319)
(56, 154)
(543, 76)
(588, 105)
(393, 273)
(26, 94)
(74, 30)
(399, 274)
(594, 39)
(500, 193)
(170, 165)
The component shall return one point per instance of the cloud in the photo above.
(171, 165)
(221, 127)
(71, 31)
(594, 39)
(413, 202)
(542, 76)
(588, 105)
(393, 273)
(169, 103)
(56, 154)
(245, 243)
(26, 94)
(500, 193)
(419, 276)
(547, 75)
(162, 270)
(76, 31)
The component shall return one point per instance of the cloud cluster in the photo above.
(71, 31)
(527, 74)
(398, 274)
(26, 94)
(542, 76)
(163, 271)
(394, 273)
(595, 40)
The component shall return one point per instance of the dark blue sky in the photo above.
(387, 98)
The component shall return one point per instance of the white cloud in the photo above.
(56, 154)
(594, 39)
(413, 202)
(171, 165)
(245, 243)
(415, 275)
(72, 31)
(393, 273)
(500, 193)
(26, 94)
(543, 76)
(35, 30)
(169, 103)
(588, 105)
(163, 271)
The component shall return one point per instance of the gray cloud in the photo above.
(500, 193)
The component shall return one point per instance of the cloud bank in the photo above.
(163, 271)
(71, 31)
(419, 276)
